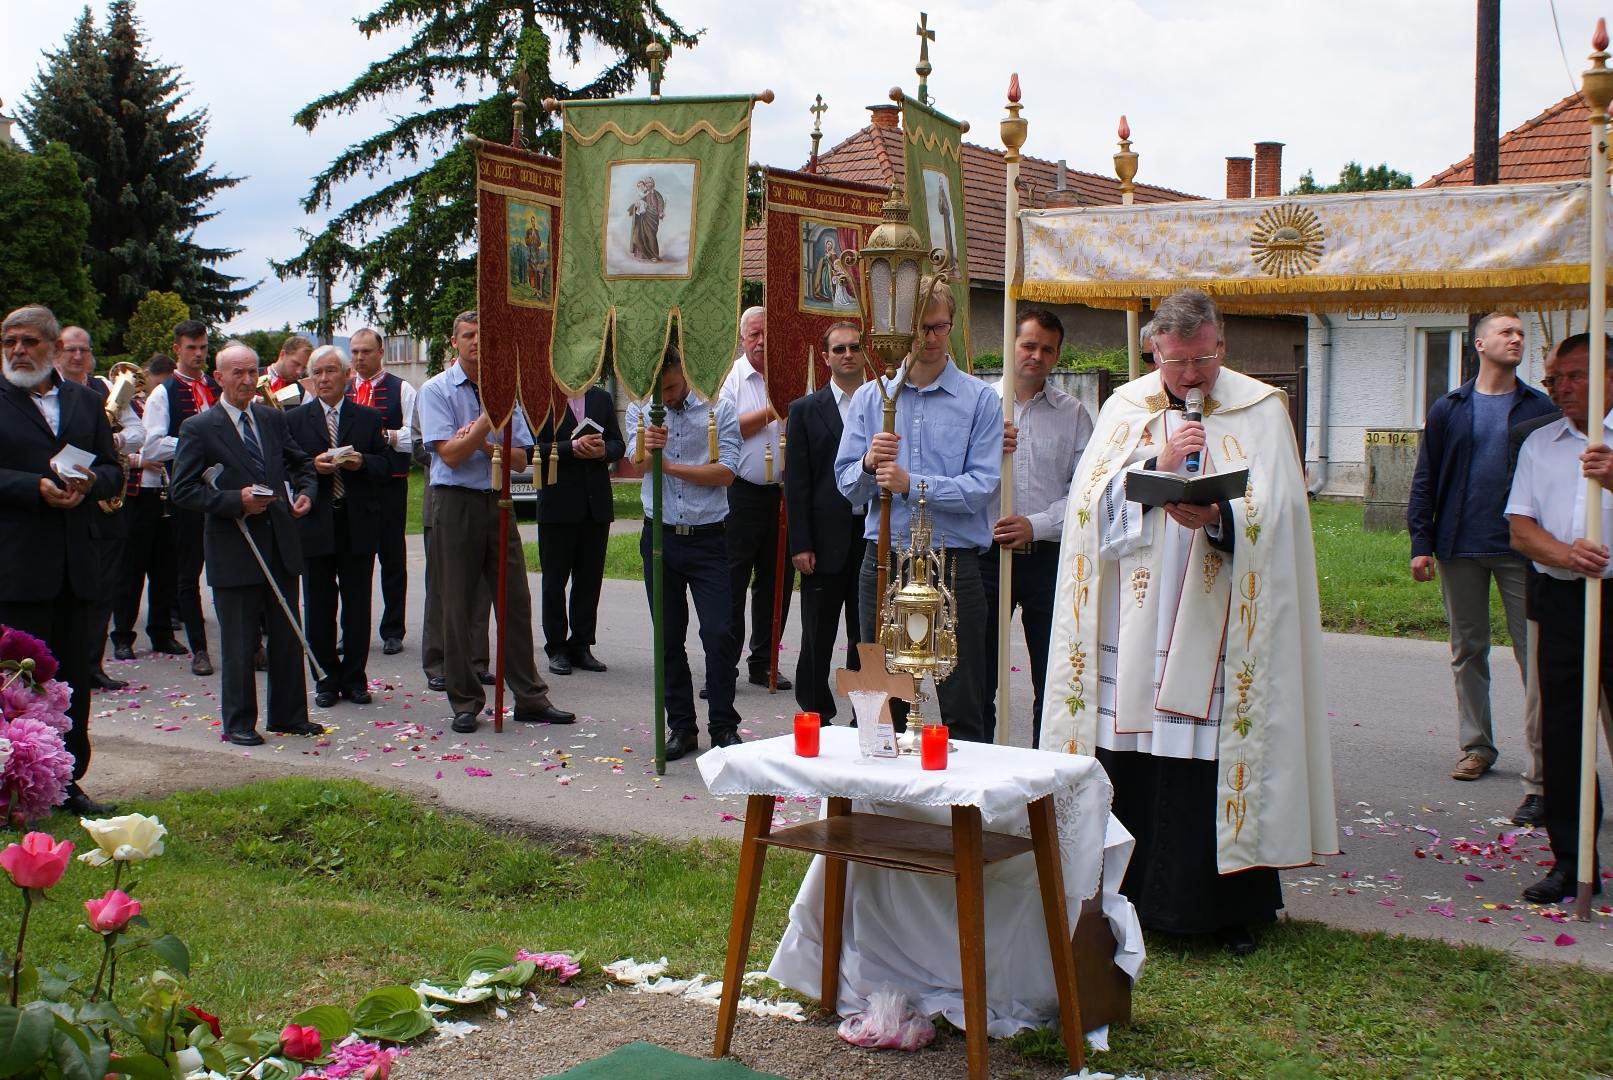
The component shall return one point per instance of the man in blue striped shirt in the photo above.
(694, 550)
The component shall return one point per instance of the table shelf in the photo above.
(894, 843)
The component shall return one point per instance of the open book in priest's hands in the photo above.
(1153, 488)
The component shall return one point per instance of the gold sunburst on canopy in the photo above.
(1287, 241)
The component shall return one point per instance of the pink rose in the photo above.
(38, 862)
(379, 1069)
(300, 1043)
(112, 912)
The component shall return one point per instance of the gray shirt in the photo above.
(1053, 430)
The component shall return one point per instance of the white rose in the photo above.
(126, 838)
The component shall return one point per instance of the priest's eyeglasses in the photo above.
(842, 350)
(1183, 365)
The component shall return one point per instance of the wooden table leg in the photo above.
(834, 918)
(967, 852)
(1050, 874)
(758, 823)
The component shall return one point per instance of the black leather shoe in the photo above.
(485, 678)
(437, 683)
(546, 715)
(464, 722)
(102, 681)
(1532, 811)
(80, 803)
(680, 743)
(1552, 888)
(761, 680)
(167, 647)
(587, 661)
(326, 698)
(304, 728)
(392, 646)
(245, 738)
(359, 696)
(201, 664)
(1236, 940)
(726, 738)
(260, 660)
(123, 652)
(560, 664)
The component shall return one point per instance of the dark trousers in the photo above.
(63, 625)
(574, 552)
(113, 552)
(753, 523)
(185, 532)
(824, 593)
(1559, 606)
(695, 566)
(147, 558)
(1035, 574)
(243, 612)
(431, 620)
(464, 558)
(394, 556)
(962, 696)
(328, 581)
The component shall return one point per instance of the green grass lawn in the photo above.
(295, 892)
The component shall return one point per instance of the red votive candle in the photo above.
(933, 746)
(807, 729)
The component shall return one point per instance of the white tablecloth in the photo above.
(901, 928)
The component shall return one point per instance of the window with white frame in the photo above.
(1439, 365)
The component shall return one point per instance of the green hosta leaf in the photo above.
(142, 1067)
(392, 1013)
(24, 1038)
(334, 1023)
(486, 958)
(516, 975)
(172, 952)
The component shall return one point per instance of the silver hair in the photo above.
(329, 350)
(749, 314)
(1146, 334)
(37, 316)
(1182, 313)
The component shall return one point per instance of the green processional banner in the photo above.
(934, 174)
(653, 219)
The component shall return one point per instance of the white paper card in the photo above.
(288, 393)
(71, 463)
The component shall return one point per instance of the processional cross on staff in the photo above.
(926, 35)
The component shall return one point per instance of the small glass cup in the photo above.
(933, 746)
(808, 726)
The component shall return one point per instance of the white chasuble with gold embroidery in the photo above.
(1163, 644)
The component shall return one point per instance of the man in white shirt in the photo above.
(753, 502)
(1546, 513)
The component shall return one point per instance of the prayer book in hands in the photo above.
(1153, 488)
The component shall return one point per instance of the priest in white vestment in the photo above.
(1186, 649)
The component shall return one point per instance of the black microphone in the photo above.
(1193, 409)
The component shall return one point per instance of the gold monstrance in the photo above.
(919, 627)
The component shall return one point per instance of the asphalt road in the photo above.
(1422, 854)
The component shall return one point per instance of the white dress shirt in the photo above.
(746, 390)
(401, 440)
(843, 403)
(159, 447)
(1053, 430)
(49, 403)
(1549, 486)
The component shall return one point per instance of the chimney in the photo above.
(1062, 195)
(885, 116)
(1268, 169)
(1240, 177)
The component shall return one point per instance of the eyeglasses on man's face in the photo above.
(1565, 377)
(937, 328)
(842, 350)
(1189, 362)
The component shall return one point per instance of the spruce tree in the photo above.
(121, 114)
(407, 250)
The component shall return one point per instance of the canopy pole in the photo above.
(501, 481)
(658, 580)
(1126, 169)
(1597, 89)
(1013, 130)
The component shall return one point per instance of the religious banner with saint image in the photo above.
(653, 236)
(518, 236)
(810, 220)
(934, 181)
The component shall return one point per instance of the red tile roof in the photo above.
(874, 156)
(1556, 145)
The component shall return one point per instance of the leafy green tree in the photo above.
(1355, 178)
(140, 158)
(43, 227)
(151, 327)
(266, 343)
(407, 250)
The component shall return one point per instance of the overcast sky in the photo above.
(1371, 80)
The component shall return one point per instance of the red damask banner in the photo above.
(518, 241)
(810, 220)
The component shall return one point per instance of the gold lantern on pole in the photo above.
(918, 622)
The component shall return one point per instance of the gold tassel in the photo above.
(767, 464)
(498, 467)
(554, 462)
(638, 444)
(711, 432)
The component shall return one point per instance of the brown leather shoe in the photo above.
(1471, 767)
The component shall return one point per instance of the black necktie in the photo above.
(254, 449)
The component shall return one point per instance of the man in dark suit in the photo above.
(574, 516)
(257, 453)
(341, 535)
(53, 567)
(825, 532)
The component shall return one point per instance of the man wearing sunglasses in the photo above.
(825, 530)
(949, 430)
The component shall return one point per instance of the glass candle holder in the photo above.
(808, 726)
(933, 746)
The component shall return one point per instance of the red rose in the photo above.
(300, 1043)
(207, 1018)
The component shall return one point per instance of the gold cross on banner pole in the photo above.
(926, 35)
(657, 54)
(817, 110)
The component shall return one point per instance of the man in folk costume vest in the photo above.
(378, 388)
(1187, 646)
(287, 371)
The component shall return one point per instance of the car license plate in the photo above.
(517, 488)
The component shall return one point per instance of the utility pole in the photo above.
(1486, 128)
(324, 330)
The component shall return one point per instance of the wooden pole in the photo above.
(778, 588)
(1013, 136)
(658, 580)
(501, 480)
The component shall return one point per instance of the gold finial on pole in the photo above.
(817, 109)
(1126, 170)
(926, 35)
(518, 124)
(657, 55)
